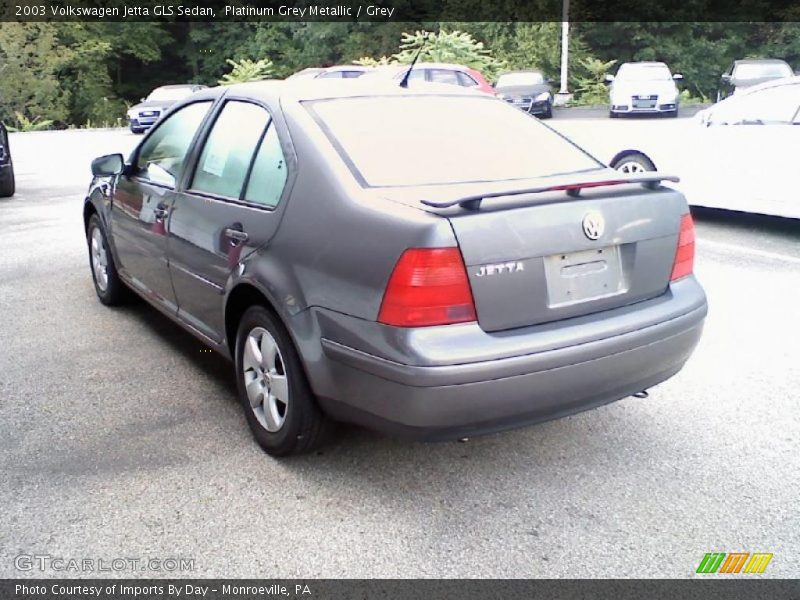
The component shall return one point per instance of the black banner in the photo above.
(401, 10)
(733, 588)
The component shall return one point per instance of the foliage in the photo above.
(368, 61)
(74, 73)
(26, 124)
(448, 47)
(245, 70)
(592, 88)
(31, 60)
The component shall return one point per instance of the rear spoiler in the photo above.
(650, 180)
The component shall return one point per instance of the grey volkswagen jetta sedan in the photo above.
(429, 261)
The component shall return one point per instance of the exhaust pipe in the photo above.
(643, 394)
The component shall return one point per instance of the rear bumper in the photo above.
(454, 400)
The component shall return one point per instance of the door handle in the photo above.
(237, 236)
(161, 212)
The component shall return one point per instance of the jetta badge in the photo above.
(593, 225)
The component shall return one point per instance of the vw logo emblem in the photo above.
(593, 225)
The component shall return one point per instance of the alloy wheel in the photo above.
(631, 167)
(265, 380)
(99, 257)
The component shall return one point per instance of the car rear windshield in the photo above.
(428, 140)
(169, 94)
(757, 71)
(630, 72)
(515, 79)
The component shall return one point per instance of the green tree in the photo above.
(448, 46)
(245, 70)
(30, 62)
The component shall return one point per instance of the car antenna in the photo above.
(404, 80)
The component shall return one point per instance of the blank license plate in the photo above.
(583, 276)
(644, 104)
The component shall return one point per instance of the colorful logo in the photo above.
(736, 562)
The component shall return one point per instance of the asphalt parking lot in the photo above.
(121, 436)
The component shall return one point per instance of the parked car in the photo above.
(528, 90)
(454, 281)
(743, 74)
(644, 88)
(436, 73)
(142, 116)
(739, 154)
(7, 182)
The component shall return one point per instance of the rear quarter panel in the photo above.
(338, 243)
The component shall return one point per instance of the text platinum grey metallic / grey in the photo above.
(427, 261)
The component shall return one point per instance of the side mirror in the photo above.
(107, 166)
(725, 77)
(141, 100)
(677, 77)
(609, 78)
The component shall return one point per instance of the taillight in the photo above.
(684, 256)
(428, 286)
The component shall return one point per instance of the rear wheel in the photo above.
(7, 183)
(634, 163)
(278, 402)
(109, 287)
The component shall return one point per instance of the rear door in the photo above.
(143, 199)
(228, 209)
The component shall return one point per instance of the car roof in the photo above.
(760, 61)
(301, 90)
(537, 71)
(347, 68)
(425, 65)
(645, 63)
(177, 85)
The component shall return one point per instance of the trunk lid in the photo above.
(562, 257)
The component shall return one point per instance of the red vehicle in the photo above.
(436, 73)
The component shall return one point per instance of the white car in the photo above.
(644, 88)
(739, 154)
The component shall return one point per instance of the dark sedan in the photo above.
(142, 116)
(421, 274)
(527, 90)
(7, 183)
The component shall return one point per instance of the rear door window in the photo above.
(268, 177)
(465, 80)
(444, 76)
(228, 151)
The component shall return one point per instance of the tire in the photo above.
(7, 183)
(634, 163)
(548, 114)
(137, 130)
(109, 287)
(613, 115)
(280, 407)
(673, 114)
